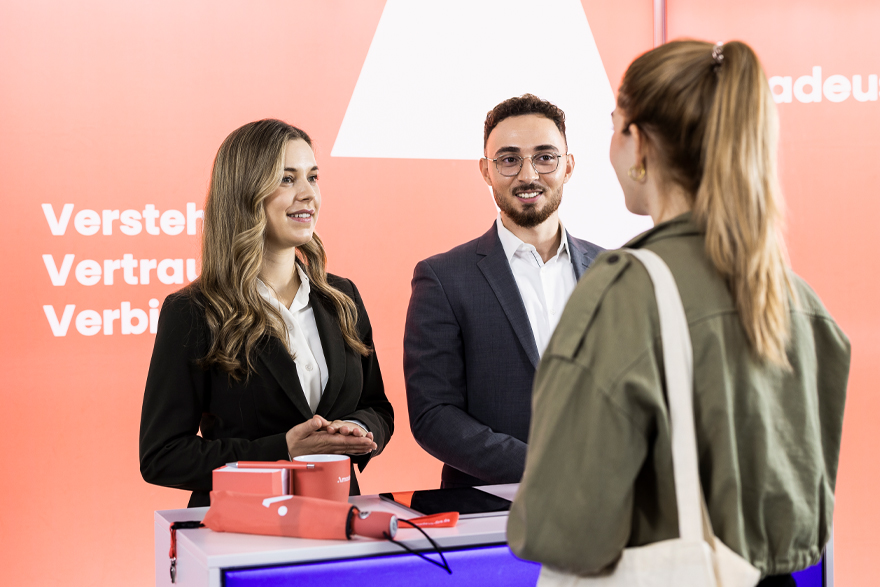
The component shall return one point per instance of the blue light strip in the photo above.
(488, 565)
(479, 567)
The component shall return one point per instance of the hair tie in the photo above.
(717, 54)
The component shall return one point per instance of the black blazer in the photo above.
(469, 358)
(247, 420)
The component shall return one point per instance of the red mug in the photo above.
(330, 479)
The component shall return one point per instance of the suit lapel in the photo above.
(578, 260)
(497, 272)
(280, 364)
(334, 352)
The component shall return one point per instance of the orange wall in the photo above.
(110, 105)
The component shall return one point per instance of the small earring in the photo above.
(637, 173)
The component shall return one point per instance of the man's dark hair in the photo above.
(525, 104)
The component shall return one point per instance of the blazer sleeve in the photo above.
(436, 390)
(373, 408)
(177, 394)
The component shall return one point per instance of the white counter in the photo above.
(202, 553)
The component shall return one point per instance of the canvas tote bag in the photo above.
(696, 558)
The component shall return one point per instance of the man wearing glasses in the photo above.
(481, 315)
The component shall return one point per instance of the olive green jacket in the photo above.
(598, 473)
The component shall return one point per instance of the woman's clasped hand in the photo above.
(318, 436)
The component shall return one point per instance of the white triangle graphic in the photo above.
(435, 68)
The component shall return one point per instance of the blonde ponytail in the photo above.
(710, 120)
(739, 201)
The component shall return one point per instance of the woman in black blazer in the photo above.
(265, 356)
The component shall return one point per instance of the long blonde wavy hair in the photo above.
(711, 121)
(248, 167)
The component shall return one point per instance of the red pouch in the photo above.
(278, 515)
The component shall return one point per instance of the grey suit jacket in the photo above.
(469, 358)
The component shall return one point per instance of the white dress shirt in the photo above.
(303, 339)
(543, 287)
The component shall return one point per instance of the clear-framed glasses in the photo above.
(510, 165)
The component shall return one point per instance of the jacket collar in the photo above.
(334, 351)
(496, 270)
(580, 258)
(679, 226)
(276, 358)
(280, 364)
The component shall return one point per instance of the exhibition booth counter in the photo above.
(475, 549)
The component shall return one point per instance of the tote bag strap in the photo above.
(678, 362)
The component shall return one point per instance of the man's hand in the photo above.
(314, 436)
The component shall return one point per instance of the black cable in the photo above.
(444, 566)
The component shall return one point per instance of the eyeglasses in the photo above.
(510, 165)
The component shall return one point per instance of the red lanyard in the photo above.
(172, 552)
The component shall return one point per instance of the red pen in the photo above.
(270, 465)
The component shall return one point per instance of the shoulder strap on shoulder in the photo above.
(678, 362)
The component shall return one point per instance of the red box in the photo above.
(266, 481)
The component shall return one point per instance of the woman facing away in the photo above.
(265, 356)
(694, 147)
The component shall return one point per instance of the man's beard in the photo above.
(530, 215)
